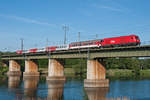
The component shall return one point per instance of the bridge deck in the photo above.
(132, 51)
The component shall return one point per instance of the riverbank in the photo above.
(127, 74)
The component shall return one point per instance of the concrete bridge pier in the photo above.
(14, 68)
(55, 70)
(31, 68)
(96, 74)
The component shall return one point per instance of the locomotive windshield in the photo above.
(136, 37)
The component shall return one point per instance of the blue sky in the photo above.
(37, 20)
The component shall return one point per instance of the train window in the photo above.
(136, 37)
(131, 37)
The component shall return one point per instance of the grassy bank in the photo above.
(119, 73)
(145, 73)
(127, 74)
(114, 73)
(111, 73)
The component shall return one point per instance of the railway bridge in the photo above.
(96, 72)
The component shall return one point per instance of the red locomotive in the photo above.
(130, 40)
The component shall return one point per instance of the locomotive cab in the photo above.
(135, 39)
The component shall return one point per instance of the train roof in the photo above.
(87, 41)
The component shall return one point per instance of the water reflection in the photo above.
(55, 90)
(97, 93)
(13, 85)
(119, 98)
(101, 94)
(30, 87)
(13, 82)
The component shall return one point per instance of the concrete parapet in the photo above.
(96, 74)
(55, 70)
(31, 68)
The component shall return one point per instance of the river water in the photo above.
(16, 88)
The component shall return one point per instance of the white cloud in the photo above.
(107, 7)
(27, 20)
(111, 8)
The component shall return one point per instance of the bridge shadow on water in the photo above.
(37, 88)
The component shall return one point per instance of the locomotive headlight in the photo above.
(112, 41)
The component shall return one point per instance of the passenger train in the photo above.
(130, 40)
